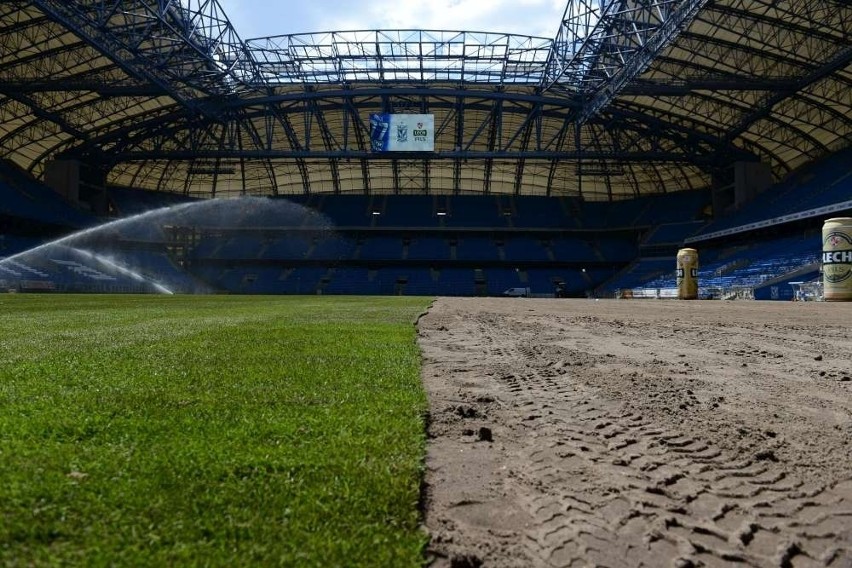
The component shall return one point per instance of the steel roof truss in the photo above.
(840, 59)
(603, 44)
(190, 50)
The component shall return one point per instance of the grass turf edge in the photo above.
(214, 430)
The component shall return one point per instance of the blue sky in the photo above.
(259, 18)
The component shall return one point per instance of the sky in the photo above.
(261, 18)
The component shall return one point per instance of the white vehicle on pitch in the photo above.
(516, 293)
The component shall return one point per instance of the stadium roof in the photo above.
(630, 97)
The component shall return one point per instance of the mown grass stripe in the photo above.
(210, 430)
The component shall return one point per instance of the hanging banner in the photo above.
(402, 132)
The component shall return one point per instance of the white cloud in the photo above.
(529, 17)
(254, 18)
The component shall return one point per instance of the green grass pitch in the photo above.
(210, 430)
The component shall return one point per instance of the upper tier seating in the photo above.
(26, 198)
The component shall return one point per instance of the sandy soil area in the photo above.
(638, 433)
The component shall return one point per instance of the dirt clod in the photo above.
(465, 561)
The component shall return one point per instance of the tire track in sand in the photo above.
(603, 484)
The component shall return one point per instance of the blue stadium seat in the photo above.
(26, 198)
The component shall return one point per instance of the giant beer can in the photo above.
(837, 259)
(687, 274)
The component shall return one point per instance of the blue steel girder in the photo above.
(356, 124)
(282, 119)
(217, 163)
(267, 121)
(188, 49)
(524, 129)
(387, 56)
(67, 127)
(750, 64)
(43, 127)
(328, 142)
(602, 45)
(494, 134)
(48, 115)
(251, 130)
(688, 86)
(744, 146)
(641, 58)
(39, 52)
(839, 60)
(19, 20)
(489, 120)
(458, 109)
(735, 116)
(81, 84)
(426, 184)
(527, 129)
(84, 115)
(638, 135)
(238, 128)
(396, 177)
(712, 107)
(12, 6)
(813, 26)
(45, 60)
(617, 156)
(33, 59)
(274, 123)
(557, 142)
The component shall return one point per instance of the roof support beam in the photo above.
(840, 60)
(602, 45)
(519, 169)
(426, 184)
(356, 124)
(396, 180)
(189, 50)
(284, 121)
(679, 88)
(62, 86)
(328, 141)
(494, 136)
(653, 155)
(51, 116)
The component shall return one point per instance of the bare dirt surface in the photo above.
(638, 433)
